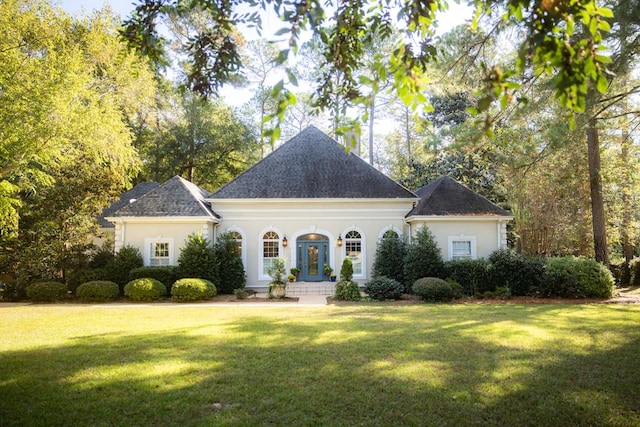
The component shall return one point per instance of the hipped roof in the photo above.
(446, 197)
(176, 197)
(135, 193)
(312, 165)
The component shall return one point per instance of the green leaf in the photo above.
(605, 12)
(602, 84)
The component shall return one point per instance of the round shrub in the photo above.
(98, 290)
(166, 275)
(346, 290)
(571, 277)
(193, 290)
(145, 289)
(433, 289)
(85, 275)
(382, 288)
(47, 291)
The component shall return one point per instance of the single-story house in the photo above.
(312, 203)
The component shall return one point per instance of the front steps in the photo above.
(296, 289)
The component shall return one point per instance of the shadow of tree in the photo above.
(424, 365)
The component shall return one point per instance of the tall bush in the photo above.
(196, 259)
(346, 271)
(423, 258)
(120, 266)
(515, 271)
(231, 274)
(389, 258)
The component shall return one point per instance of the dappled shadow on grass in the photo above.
(344, 366)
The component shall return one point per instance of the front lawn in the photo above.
(369, 364)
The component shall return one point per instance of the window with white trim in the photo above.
(353, 249)
(270, 250)
(461, 248)
(158, 252)
(391, 233)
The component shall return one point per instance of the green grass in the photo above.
(369, 364)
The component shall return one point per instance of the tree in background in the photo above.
(68, 89)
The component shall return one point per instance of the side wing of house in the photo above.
(161, 221)
(464, 224)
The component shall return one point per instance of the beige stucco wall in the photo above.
(294, 218)
(136, 232)
(489, 234)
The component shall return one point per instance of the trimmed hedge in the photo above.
(472, 275)
(347, 290)
(433, 289)
(47, 291)
(382, 288)
(145, 289)
(570, 277)
(166, 275)
(519, 273)
(98, 290)
(190, 289)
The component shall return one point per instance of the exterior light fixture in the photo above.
(339, 240)
(284, 241)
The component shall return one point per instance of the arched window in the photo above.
(270, 250)
(353, 249)
(390, 234)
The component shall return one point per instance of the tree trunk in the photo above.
(597, 201)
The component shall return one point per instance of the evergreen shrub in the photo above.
(423, 258)
(85, 275)
(231, 274)
(165, 275)
(570, 277)
(346, 271)
(196, 259)
(145, 289)
(347, 290)
(98, 290)
(433, 289)
(519, 273)
(124, 261)
(383, 288)
(389, 258)
(471, 274)
(192, 289)
(47, 291)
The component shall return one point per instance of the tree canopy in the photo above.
(563, 39)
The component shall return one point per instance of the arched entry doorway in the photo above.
(312, 255)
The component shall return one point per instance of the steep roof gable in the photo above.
(176, 197)
(125, 198)
(312, 165)
(446, 196)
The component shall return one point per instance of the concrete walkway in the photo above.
(307, 300)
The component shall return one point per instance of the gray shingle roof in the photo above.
(446, 196)
(135, 193)
(176, 197)
(312, 165)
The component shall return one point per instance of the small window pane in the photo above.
(353, 249)
(390, 234)
(461, 249)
